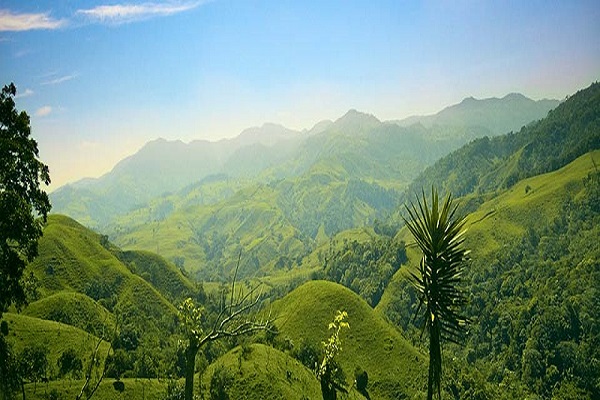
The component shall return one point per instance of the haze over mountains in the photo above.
(358, 143)
(321, 230)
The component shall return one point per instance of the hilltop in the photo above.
(395, 368)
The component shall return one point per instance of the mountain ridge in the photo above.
(267, 153)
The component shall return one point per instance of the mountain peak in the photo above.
(354, 115)
(515, 96)
(268, 134)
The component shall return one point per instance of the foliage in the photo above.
(439, 234)
(328, 370)
(21, 198)
(365, 267)
(9, 370)
(220, 382)
(70, 363)
(33, 363)
(532, 284)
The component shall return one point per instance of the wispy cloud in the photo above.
(62, 79)
(26, 93)
(13, 22)
(43, 111)
(123, 13)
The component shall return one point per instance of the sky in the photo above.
(100, 78)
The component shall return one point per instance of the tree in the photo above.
(231, 321)
(21, 198)
(69, 362)
(9, 367)
(328, 372)
(439, 234)
(33, 364)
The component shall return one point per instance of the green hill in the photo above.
(74, 258)
(395, 368)
(53, 336)
(259, 372)
(74, 309)
(161, 274)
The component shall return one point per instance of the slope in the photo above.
(75, 309)
(395, 368)
(74, 262)
(485, 165)
(532, 285)
(52, 336)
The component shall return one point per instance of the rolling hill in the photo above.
(259, 372)
(85, 281)
(395, 368)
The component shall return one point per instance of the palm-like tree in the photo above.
(439, 233)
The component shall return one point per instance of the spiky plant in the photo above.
(439, 233)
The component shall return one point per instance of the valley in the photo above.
(315, 219)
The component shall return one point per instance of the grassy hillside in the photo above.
(54, 336)
(74, 258)
(74, 309)
(259, 372)
(395, 368)
(161, 274)
(531, 284)
(134, 389)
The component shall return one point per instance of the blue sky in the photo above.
(101, 78)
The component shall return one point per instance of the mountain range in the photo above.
(360, 144)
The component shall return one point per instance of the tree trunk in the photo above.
(190, 365)
(435, 360)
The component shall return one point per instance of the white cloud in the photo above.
(26, 93)
(123, 13)
(25, 22)
(43, 111)
(62, 79)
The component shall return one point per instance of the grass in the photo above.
(56, 337)
(135, 389)
(74, 309)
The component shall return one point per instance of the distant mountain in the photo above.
(163, 166)
(499, 116)
(488, 164)
(357, 146)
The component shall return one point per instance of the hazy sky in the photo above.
(101, 78)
